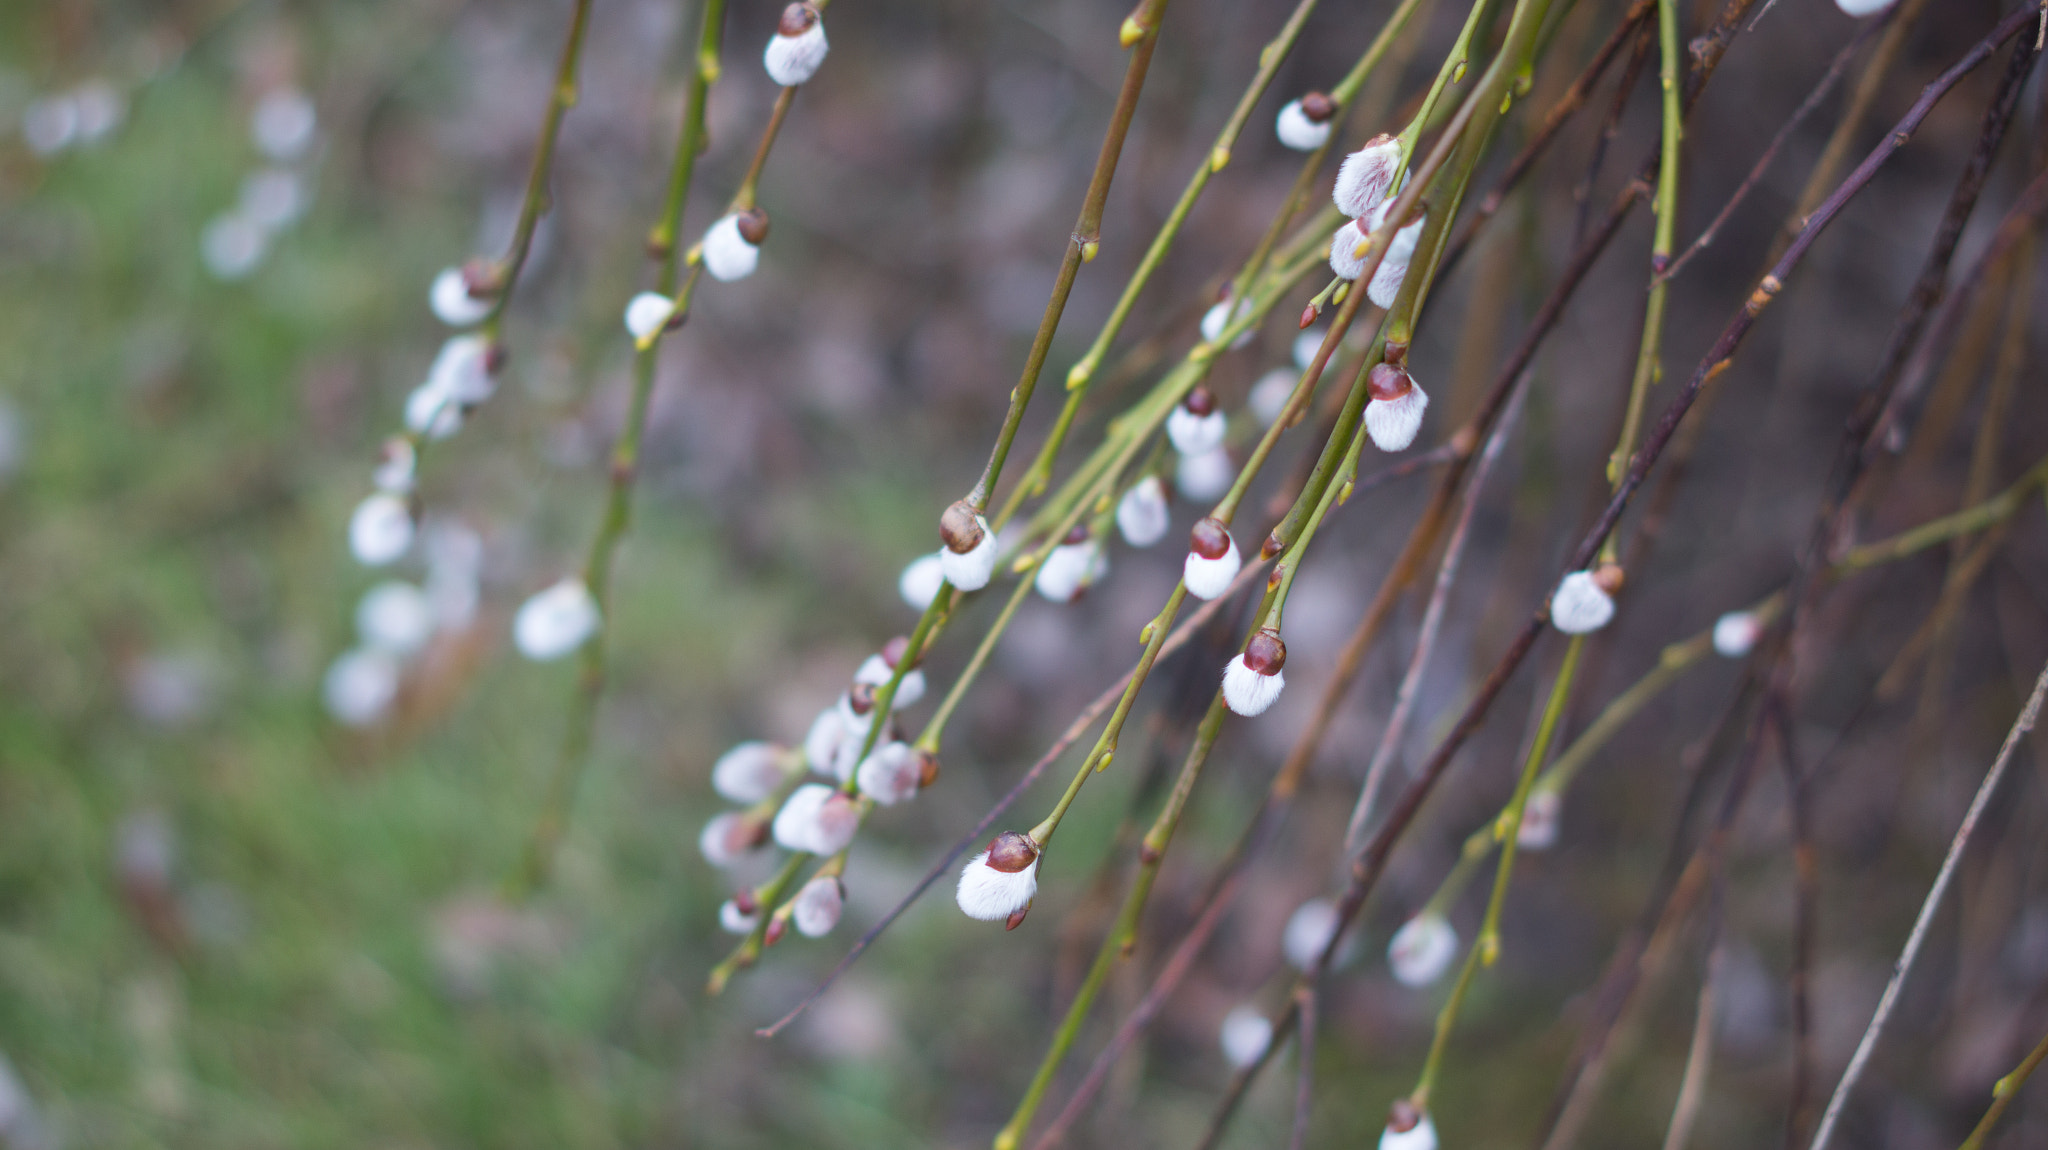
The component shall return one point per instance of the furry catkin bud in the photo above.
(1366, 176)
(818, 819)
(1244, 1035)
(453, 301)
(729, 837)
(751, 771)
(554, 622)
(1252, 680)
(920, 582)
(1580, 605)
(360, 686)
(1072, 568)
(1540, 817)
(816, 908)
(798, 47)
(736, 920)
(728, 254)
(1408, 1129)
(394, 616)
(1212, 560)
(1204, 477)
(1421, 951)
(1221, 315)
(1308, 932)
(1304, 124)
(1269, 395)
(397, 462)
(1195, 430)
(1861, 8)
(1386, 282)
(830, 746)
(1142, 515)
(1000, 882)
(648, 313)
(380, 530)
(1394, 415)
(1735, 633)
(890, 775)
(1345, 262)
(969, 557)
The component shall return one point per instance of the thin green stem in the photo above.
(1649, 367)
(1965, 522)
(2003, 1093)
(661, 241)
(1486, 947)
(1140, 33)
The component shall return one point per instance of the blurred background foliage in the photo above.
(228, 921)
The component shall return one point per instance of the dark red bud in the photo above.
(744, 900)
(1200, 401)
(894, 649)
(495, 356)
(1265, 654)
(1308, 316)
(1210, 539)
(1016, 919)
(797, 19)
(1079, 534)
(1011, 851)
(958, 529)
(1403, 1117)
(777, 927)
(1387, 382)
(483, 278)
(860, 698)
(1318, 107)
(1272, 546)
(1395, 351)
(753, 225)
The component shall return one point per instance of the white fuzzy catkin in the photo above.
(1204, 477)
(556, 621)
(1735, 633)
(1070, 569)
(1579, 606)
(233, 246)
(1305, 346)
(1269, 395)
(727, 838)
(1208, 578)
(1422, 1136)
(875, 671)
(1540, 817)
(432, 412)
(380, 530)
(792, 60)
(973, 570)
(817, 819)
(1244, 1035)
(1308, 932)
(1861, 8)
(1365, 177)
(360, 686)
(828, 747)
(462, 370)
(750, 772)
(396, 466)
(735, 920)
(921, 579)
(647, 313)
(1386, 281)
(395, 616)
(1345, 262)
(1422, 950)
(1248, 692)
(1142, 515)
(891, 774)
(283, 123)
(1297, 131)
(1220, 316)
(817, 907)
(451, 301)
(727, 254)
(1193, 434)
(1393, 423)
(988, 894)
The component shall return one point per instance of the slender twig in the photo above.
(1948, 527)
(1885, 1004)
(1699, 1059)
(1305, 1056)
(1807, 107)
(1805, 910)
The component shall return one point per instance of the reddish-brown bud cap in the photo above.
(777, 927)
(1210, 539)
(1265, 654)
(1016, 918)
(1200, 401)
(894, 650)
(483, 278)
(495, 356)
(1387, 382)
(1272, 546)
(861, 698)
(1011, 852)
(1308, 316)
(1318, 107)
(1395, 351)
(744, 900)
(1609, 577)
(958, 529)
(927, 768)
(753, 223)
(1403, 1117)
(797, 19)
